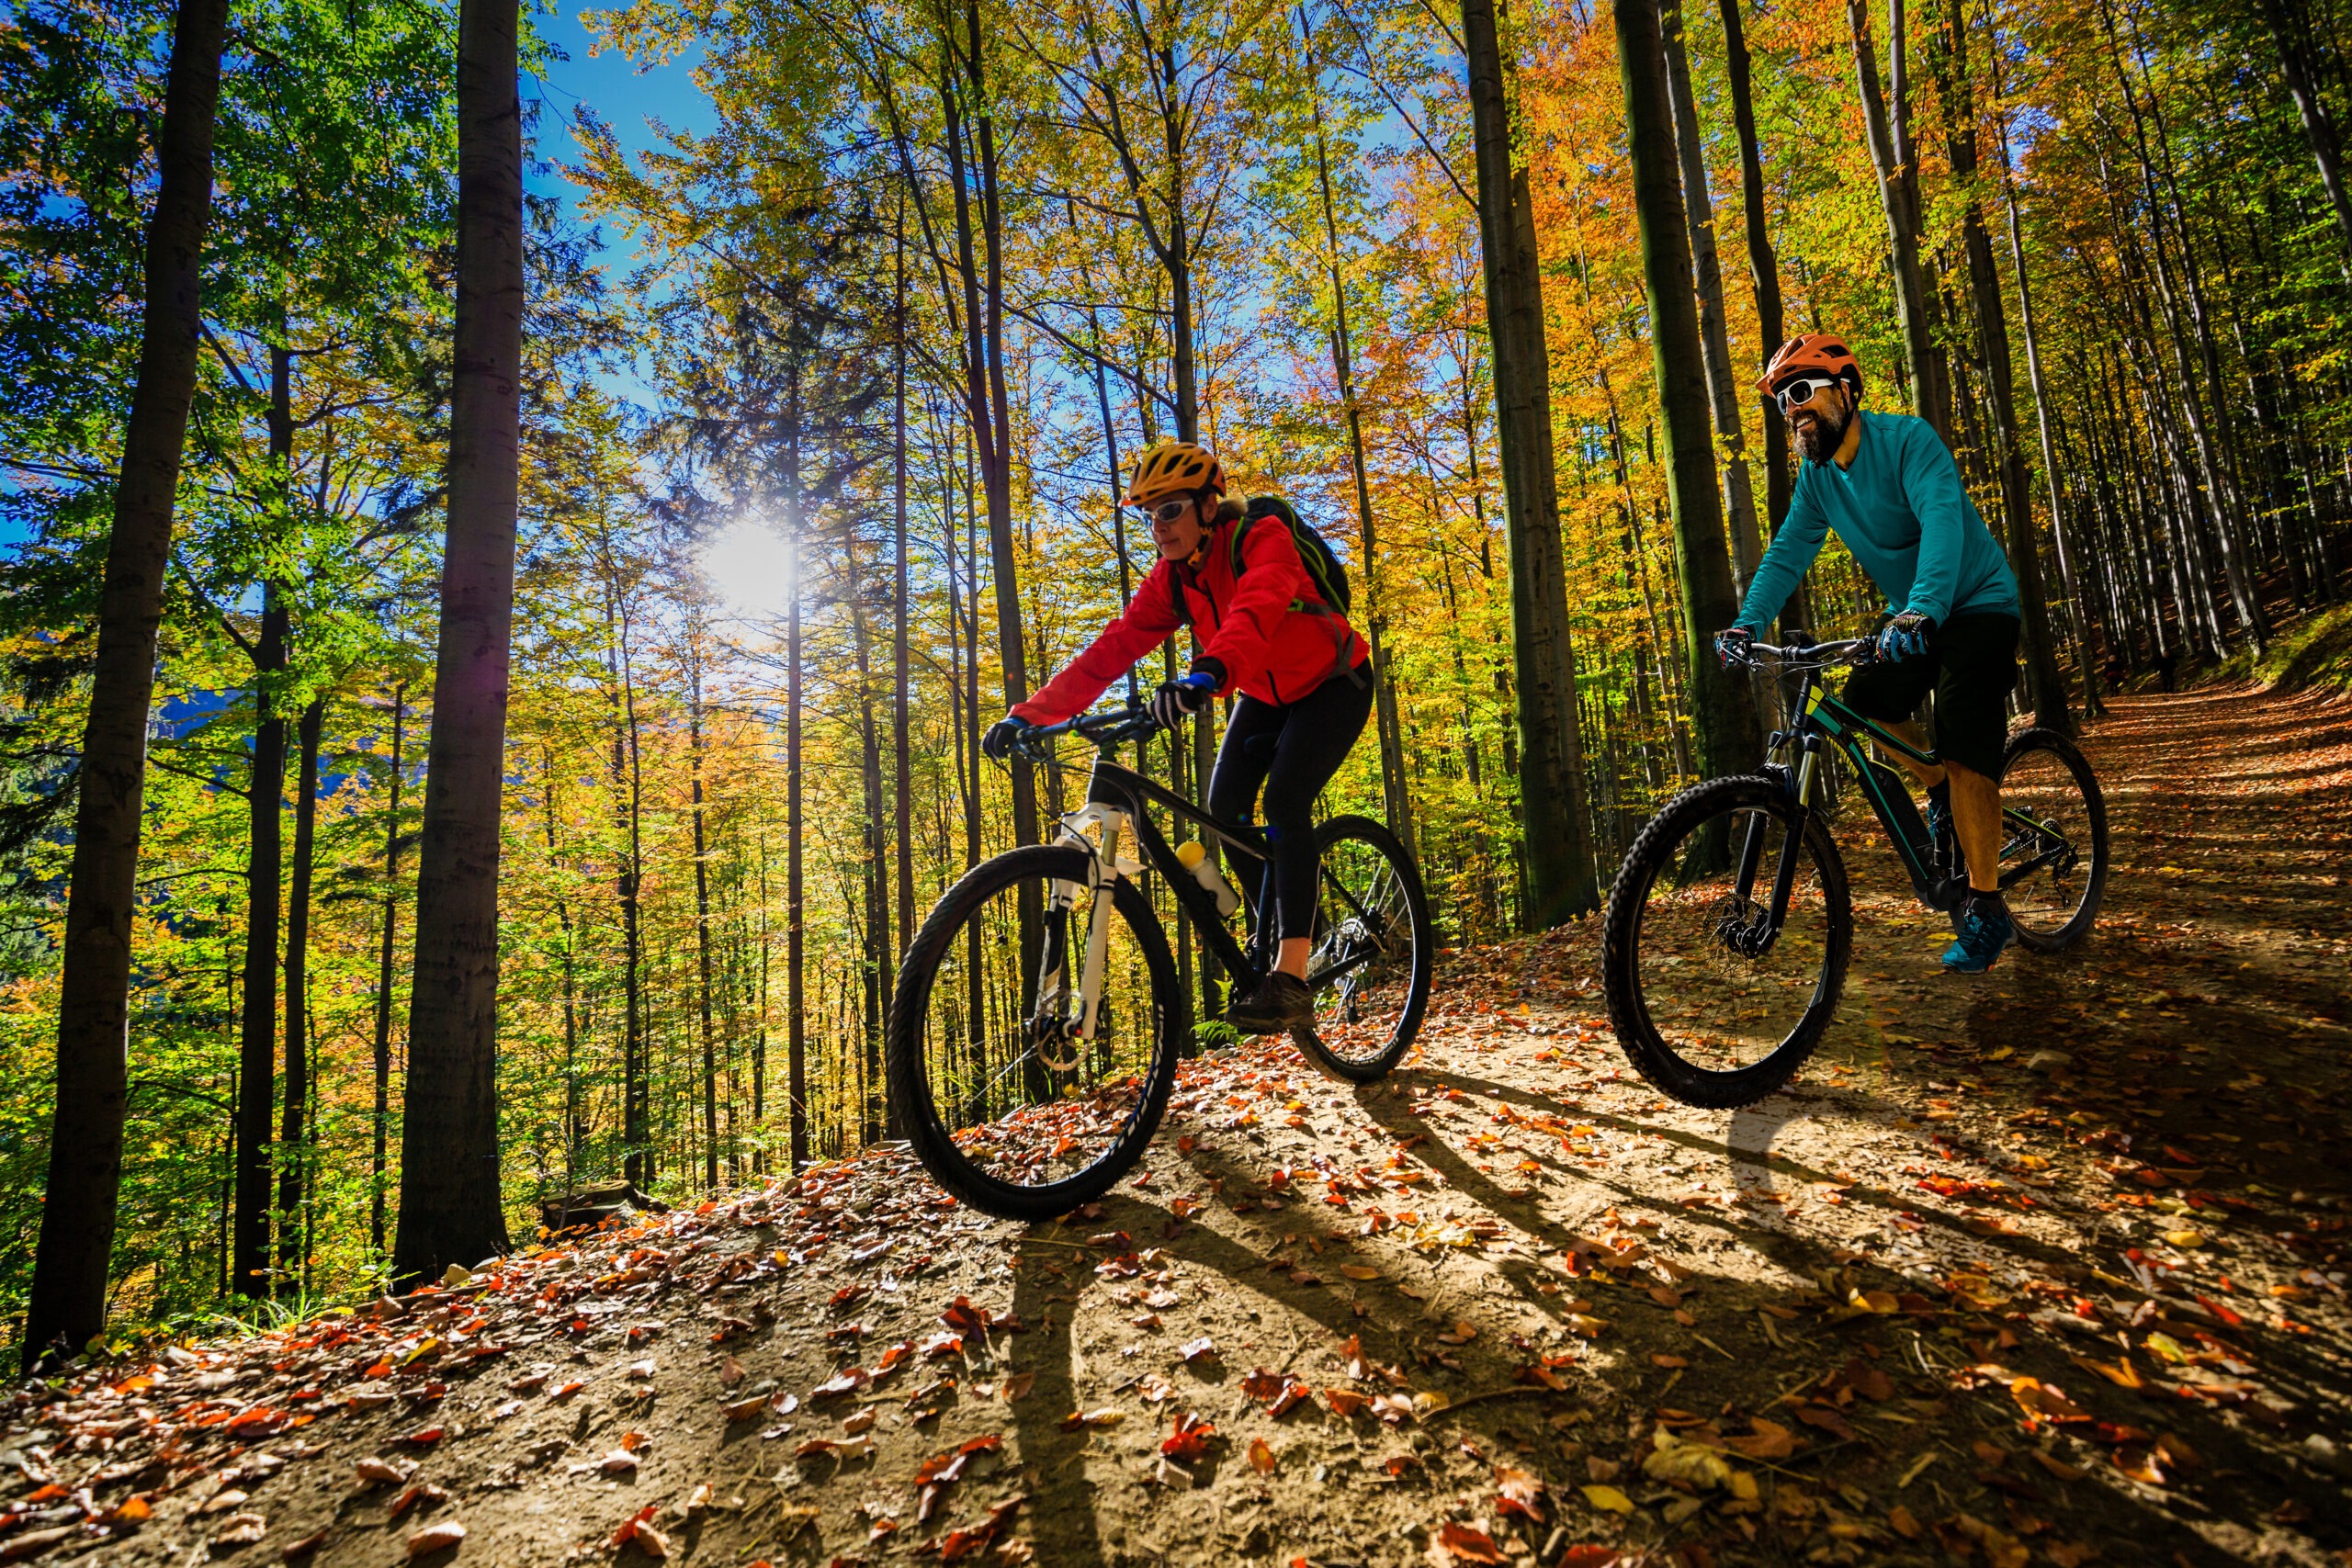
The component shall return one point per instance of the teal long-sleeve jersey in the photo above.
(1906, 518)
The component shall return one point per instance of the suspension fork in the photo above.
(1105, 865)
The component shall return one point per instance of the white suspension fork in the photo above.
(1106, 866)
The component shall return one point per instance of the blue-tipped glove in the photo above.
(1735, 645)
(1906, 636)
(1179, 700)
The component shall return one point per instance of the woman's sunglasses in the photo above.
(1803, 390)
(1168, 511)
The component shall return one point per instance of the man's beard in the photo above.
(1819, 440)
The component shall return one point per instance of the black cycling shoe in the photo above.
(1275, 1003)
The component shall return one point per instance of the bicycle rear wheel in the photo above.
(2054, 841)
(1373, 947)
(1711, 1003)
(1003, 1106)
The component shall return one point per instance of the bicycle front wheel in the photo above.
(1006, 1107)
(1369, 969)
(2054, 841)
(1715, 1000)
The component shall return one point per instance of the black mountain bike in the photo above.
(1729, 926)
(1038, 1019)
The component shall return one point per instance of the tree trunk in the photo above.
(1764, 272)
(69, 1284)
(628, 877)
(383, 1115)
(2289, 30)
(451, 1203)
(874, 868)
(1394, 798)
(2045, 685)
(1714, 340)
(701, 918)
(795, 889)
(257, 1027)
(901, 675)
(1558, 848)
(293, 1151)
(1897, 197)
(1728, 738)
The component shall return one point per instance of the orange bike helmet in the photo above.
(1816, 352)
(1174, 467)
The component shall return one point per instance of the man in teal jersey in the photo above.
(1888, 487)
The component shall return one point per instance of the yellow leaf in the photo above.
(1608, 1498)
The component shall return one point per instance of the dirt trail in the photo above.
(1930, 1305)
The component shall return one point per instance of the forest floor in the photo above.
(1951, 1297)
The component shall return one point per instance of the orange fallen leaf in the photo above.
(1459, 1543)
(1261, 1457)
(1190, 1438)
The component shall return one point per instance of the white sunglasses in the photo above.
(1803, 390)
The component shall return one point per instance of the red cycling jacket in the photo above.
(1264, 631)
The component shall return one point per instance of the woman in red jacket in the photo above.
(1301, 672)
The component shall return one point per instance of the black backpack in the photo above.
(1324, 566)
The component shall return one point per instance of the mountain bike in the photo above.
(1034, 1037)
(1729, 926)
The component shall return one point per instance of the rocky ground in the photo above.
(1932, 1305)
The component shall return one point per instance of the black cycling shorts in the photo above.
(1972, 666)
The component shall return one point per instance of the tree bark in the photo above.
(1715, 339)
(795, 888)
(1898, 199)
(451, 1210)
(2288, 32)
(1394, 798)
(1728, 738)
(1764, 272)
(383, 1063)
(900, 673)
(2045, 685)
(1557, 845)
(701, 916)
(69, 1284)
(293, 1148)
(257, 1020)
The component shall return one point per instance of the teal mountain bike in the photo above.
(1729, 926)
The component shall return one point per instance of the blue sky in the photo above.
(626, 98)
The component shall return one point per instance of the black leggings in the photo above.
(1292, 751)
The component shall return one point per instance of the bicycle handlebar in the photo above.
(1816, 655)
(1110, 727)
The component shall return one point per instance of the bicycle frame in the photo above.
(1822, 719)
(1118, 800)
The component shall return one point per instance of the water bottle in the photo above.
(1195, 859)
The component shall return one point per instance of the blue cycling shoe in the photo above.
(1984, 929)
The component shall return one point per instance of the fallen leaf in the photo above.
(1607, 1497)
(239, 1529)
(1764, 1440)
(1190, 1438)
(433, 1537)
(1459, 1543)
(1359, 1271)
(1521, 1493)
(1261, 1457)
(1106, 1417)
